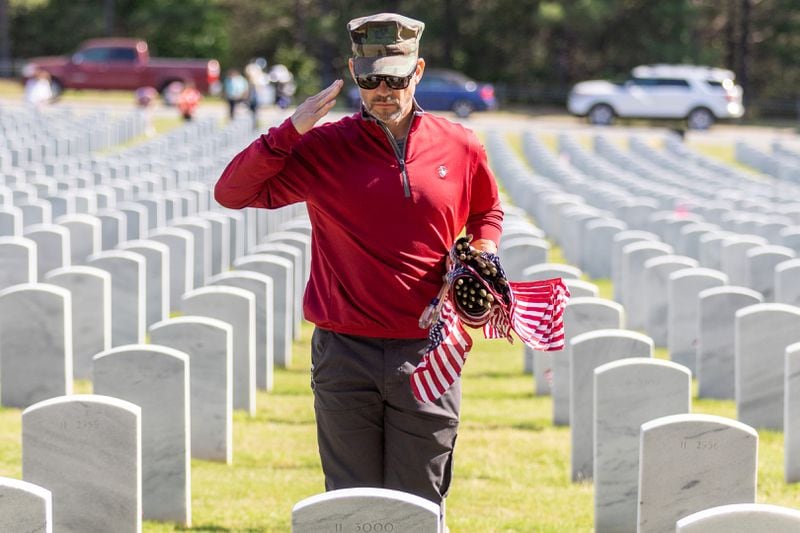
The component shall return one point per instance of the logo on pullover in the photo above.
(442, 171)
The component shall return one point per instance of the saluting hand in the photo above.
(315, 107)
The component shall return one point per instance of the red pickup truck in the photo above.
(122, 64)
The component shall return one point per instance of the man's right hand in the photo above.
(315, 107)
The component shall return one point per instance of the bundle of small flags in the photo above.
(476, 293)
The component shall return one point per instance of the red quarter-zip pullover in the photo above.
(377, 253)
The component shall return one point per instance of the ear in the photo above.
(350, 65)
(420, 70)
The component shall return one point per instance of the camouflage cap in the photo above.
(386, 43)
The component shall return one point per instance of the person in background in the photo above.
(145, 98)
(38, 89)
(261, 92)
(188, 100)
(388, 191)
(285, 87)
(235, 88)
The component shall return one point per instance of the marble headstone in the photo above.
(86, 449)
(156, 378)
(260, 286)
(741, 518)
(128, 294)
(587, 352)
(581, 315)
(791, 414)
(26, 507)
(683, 289)
(17, 261)
(236, 307)
(208, 343)
(654, 291)
(280, 271)
(90, 289)
(365, 509)
(715, 338)
(763, 331)
(691, 462)
(35, 343)
(628, 393)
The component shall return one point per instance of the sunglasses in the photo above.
(374, 80)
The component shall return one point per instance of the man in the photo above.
(388, 191)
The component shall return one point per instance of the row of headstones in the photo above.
(703, 183)
(211, 383)
(27, 136)
(82, 310)
(719, 374)
(29, 507)
(777, 164)
(217, 336)
(613, 189)
(580, 445)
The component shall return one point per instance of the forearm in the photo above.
(244, 180)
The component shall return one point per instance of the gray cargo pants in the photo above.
(371, 430)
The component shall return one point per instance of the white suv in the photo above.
(698, 94)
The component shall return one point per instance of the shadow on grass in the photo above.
(210, 528)
(521, 426)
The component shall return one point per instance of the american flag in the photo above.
(442, 364)
(534, 312)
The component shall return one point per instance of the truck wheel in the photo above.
(601, 115)
(57, 88)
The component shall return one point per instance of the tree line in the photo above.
(533, 50)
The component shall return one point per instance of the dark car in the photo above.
(446, 90)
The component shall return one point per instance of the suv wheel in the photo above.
(462, 108)
(601, 114)
(700, 119)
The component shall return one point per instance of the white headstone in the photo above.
(365, 509)
(716, 335)
(581, 315)
(52, 247)
(763, 331)
(84, 236)
(156, 378)
(655, 283)
(26, 507)
(86, 449)
(128, 293)
(35, 343)
(181, 260)
(90, 290)
(587, 352)
(280, 271)
(691, 462)
(157, 271)
(683, 289)
(628, 393)
(236, 307)
(741, 518)
(17, 261)
(787, 282)
(634, 257)
(208, 344)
